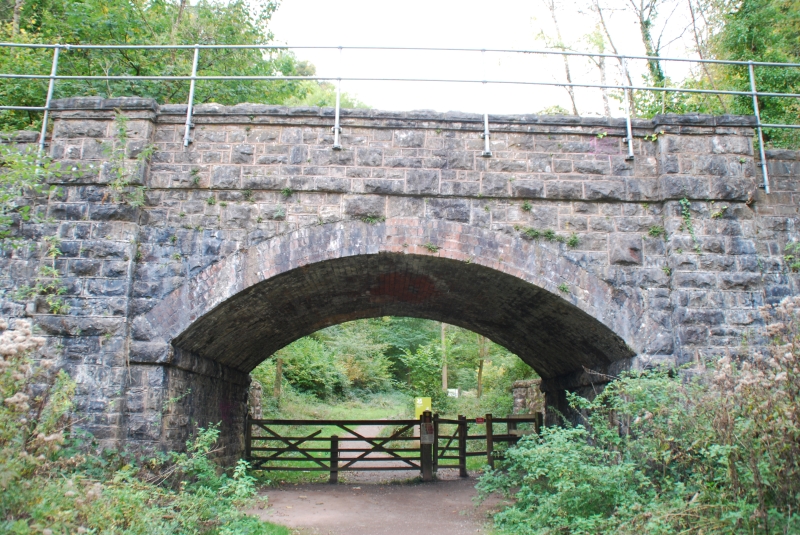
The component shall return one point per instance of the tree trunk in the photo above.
(601, 64)
(444, 359)
(551, 5)
(276, 389)
(482, 358)
(625, 73)
(17, 14)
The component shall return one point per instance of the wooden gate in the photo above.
(343, 445)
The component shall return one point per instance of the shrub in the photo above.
(51, 482)
(703, 451)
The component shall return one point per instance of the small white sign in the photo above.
(426, 433)
(452, 392)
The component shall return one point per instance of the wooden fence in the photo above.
(408, 444)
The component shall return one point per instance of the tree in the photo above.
(153, 22)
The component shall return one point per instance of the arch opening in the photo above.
(547, 332)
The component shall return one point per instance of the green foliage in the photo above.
(657, 231)
(527, 206)
(321, 94)
(311, 367)
(287, 192)
(792, 256)
(704, 451)
(51, 483)
(563, 287)
(431, 247)
(425, 370)
(361, 354)
(573, 240)
(686, 214)
(23, 173)
(122, 172)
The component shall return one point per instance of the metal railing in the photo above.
(193, 78)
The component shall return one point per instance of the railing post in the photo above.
(248, 439)
(489, 441)
(628, 99)
(761, 151)
(425, 453)
(462, 446)
(334, 460)
(187, 134)
(336, 128)
(50, 88)
(487, 149)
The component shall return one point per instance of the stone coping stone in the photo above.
(20, 136)
(137, 103)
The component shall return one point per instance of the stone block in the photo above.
(225, 176)
(359, 206)
(422, 182)
(625, 249)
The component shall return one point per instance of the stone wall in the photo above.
(528, 397)
(249, 221)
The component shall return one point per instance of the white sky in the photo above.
(514, 24)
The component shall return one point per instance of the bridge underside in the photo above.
(548, 333)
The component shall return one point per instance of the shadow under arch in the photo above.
(210, 332)
(547, 332)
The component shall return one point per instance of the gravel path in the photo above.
(441, 507)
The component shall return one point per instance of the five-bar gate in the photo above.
(381, 445)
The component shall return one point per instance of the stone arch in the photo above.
(237, 312)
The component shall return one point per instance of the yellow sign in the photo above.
(421, 405)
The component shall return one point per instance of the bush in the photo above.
(310, 367)
(704, 451)
(51, 483)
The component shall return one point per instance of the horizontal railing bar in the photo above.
(369, 79)
(327, 439)
(404, 48)
(24, 108)
(341, 450)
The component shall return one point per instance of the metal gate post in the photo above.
(628, 111)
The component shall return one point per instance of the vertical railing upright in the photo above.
(628, 111)
(757, 113)
(336, 128)
(487, 148)
(187, 133)
(50, 88)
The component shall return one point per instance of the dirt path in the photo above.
(441, 507)
(376, 503)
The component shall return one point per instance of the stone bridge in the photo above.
(579, 260)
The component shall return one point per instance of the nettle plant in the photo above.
(711, 449)
(23, 174)
(48, 285)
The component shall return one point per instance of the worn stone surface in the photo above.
(259, 233)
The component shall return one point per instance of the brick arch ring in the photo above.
(240, 310)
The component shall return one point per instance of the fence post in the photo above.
(537, 426)
(489, 441)
(425, 453)
(435, 442)
(247, 439)
(512, 426)
(334, 460)
(462, 446)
